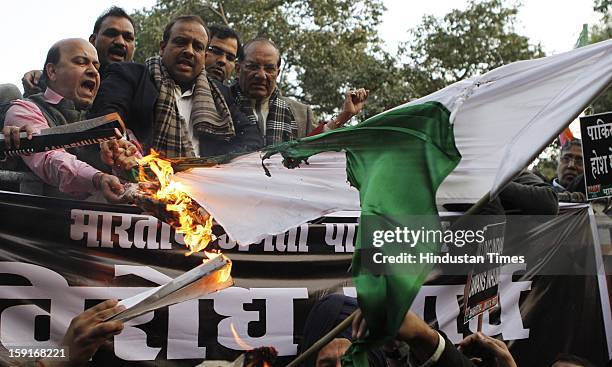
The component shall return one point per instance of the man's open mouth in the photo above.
(89, 85)
(117, 53)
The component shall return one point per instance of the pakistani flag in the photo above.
(500, 121)
(452, 146)
(396, 160)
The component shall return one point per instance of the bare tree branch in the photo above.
(220, 13)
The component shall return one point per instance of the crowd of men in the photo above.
(177, 102)
(181, 104)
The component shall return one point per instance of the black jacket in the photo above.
(129, 90)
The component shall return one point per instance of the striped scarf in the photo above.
(280, 124)
(209, 113)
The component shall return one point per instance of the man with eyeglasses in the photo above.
(221, 53)
(569, 172)
(170, 104)
(279, 118)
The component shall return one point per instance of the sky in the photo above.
(30, 27)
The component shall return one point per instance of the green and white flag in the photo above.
(452, 146)
(396, 160)
(500, 120)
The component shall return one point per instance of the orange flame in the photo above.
(223, 274)
(196, 235)
(244, 345)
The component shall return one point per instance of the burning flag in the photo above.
(168, 199)
(500, 122)
(480, 132)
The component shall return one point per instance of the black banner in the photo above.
(596, 133)
(59, 257)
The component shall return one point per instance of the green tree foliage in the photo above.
(604, 7)
(464, 43)
(546, 163)
(601, 32)
(327, 46)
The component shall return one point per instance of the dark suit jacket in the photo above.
(129, 90)
(451, 356)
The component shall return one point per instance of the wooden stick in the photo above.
(323, 341)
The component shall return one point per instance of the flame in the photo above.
(239, 340)
(224, 273)
(196, 235)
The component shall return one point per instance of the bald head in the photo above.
(258, 68)
(258, 44)
(71, 69)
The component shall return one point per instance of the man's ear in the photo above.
(50, 70)
(237, 67)
(162, 47)
(92, 39)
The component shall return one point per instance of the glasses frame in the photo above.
(219, 52)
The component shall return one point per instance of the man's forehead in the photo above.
(75, 48)
(188, 28)
(121, 23)
(261, 50)
(228, 42)
(573, 150)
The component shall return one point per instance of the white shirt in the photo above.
(260, 110)
(184, 102)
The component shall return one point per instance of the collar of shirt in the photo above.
(260, 110)
(187, 93)
(184, 103)
(52, 96)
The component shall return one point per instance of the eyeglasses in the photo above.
(573, 158)
(219, 52)
(269, 69)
